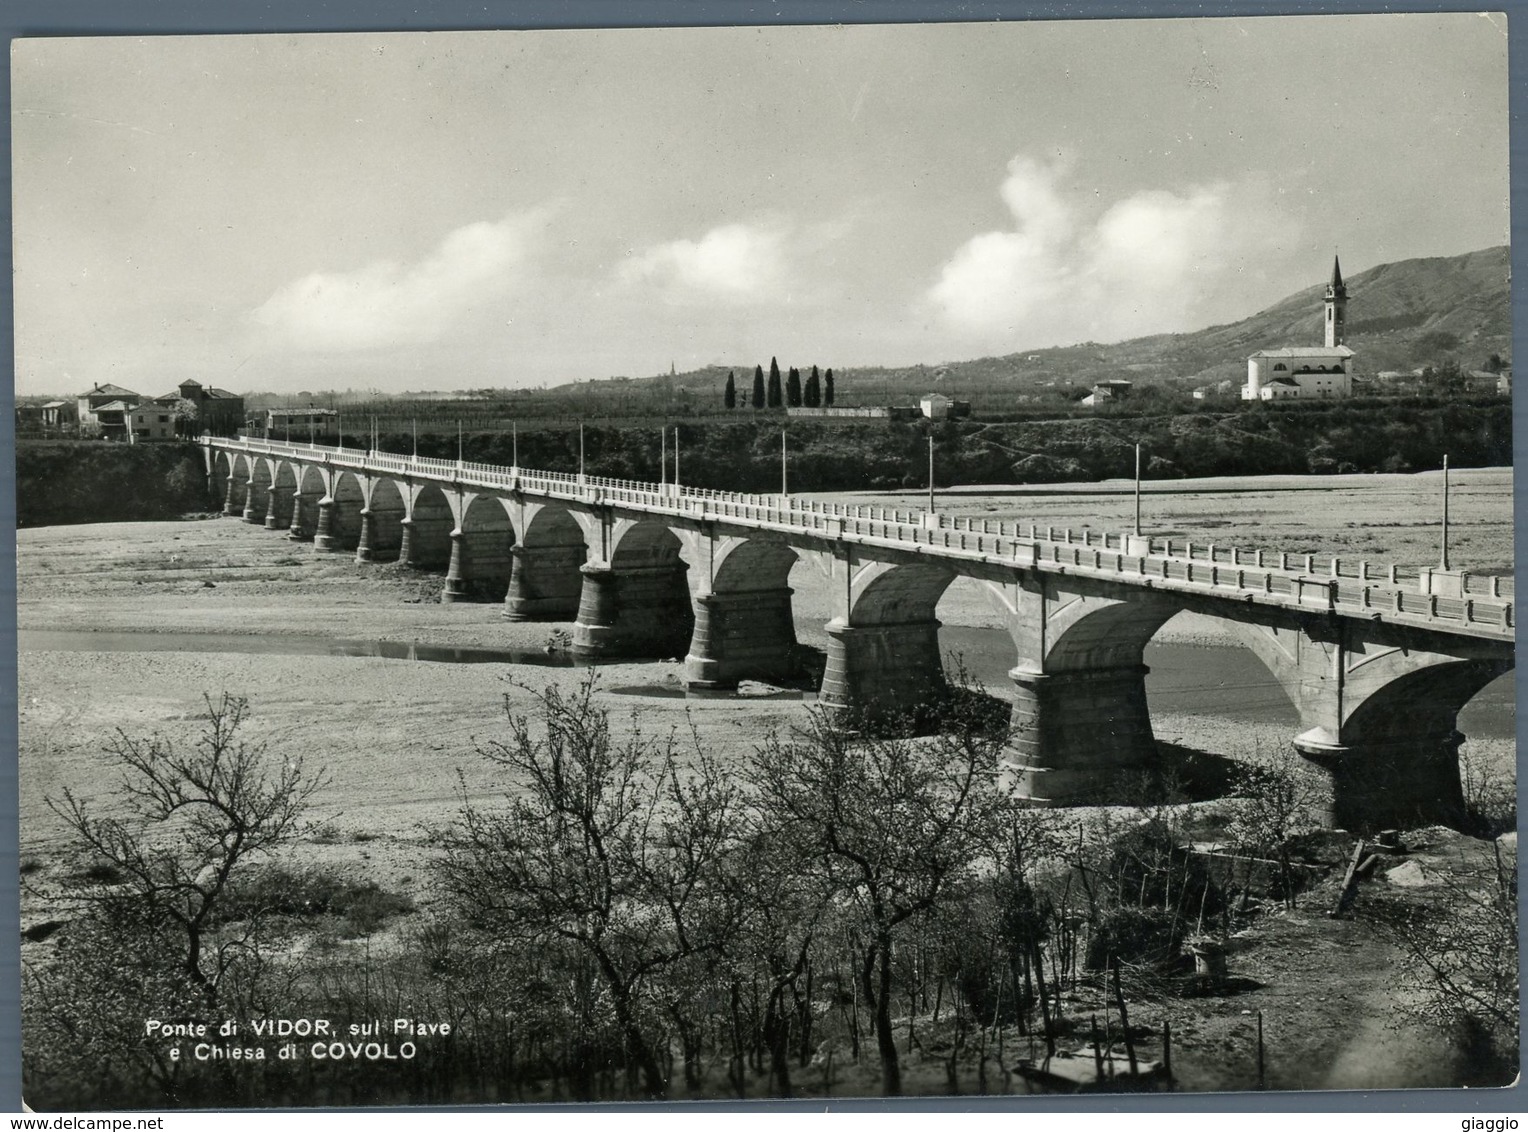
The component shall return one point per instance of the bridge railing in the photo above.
(1301, 580)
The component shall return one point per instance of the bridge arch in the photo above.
(339, 513)
(382, 534)
(278, 512)
(257, 471)
(480, 551)
(426, 538)
(544, 580)
(637, 603)
(744, 622)
(883, 657)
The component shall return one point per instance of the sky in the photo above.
(275, 213)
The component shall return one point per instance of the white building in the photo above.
(935, 406)
(1307, 371)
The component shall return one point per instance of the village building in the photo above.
(152, 420)
(1307, 371)
(1107, 392)
(301, 424)
(99, 412)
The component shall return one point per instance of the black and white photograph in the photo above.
(757, 563)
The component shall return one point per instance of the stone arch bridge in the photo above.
(1378, 660)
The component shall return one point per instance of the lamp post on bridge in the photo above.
(514, 442)
(930, 471)
(784, 469)
(416, 437)
(1138, 489)
(677, 489)
(1443, 557)
(580, 451)
(458, 443)
(663, 460)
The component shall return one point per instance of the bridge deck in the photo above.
(1380, 592)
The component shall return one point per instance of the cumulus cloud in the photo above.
(737, 263)
(1154, 261)
(387, 303)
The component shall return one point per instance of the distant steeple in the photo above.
(1336, 306)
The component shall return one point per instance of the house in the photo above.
(218, 411)
(99, 412)
(1307, 371)
(934, 406)
(59, 415)
(295, 424)
(151, 420)
(1106, 392)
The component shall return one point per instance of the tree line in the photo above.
(817, 390)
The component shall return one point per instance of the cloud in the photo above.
(394, 304)
(737, 263)
(1154, 261)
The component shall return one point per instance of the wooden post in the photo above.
(1349, 881)
(1098, 1054)
(1167, 1052)
(1124, 1020)
(1262, 1082)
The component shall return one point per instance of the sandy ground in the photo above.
(393, 736)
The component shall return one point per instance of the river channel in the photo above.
(1221, 681)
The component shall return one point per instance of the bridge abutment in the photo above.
(747, 635)
(544, 582)
(637, 611)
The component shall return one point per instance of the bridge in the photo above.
(1377, 659)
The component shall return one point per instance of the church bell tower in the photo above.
(1336, 307)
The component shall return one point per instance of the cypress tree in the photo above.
(729, 398)
(827, 387)
(812, 397)
(793, 389)
(774, 384)
(758, 387)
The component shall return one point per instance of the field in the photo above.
(394, 735)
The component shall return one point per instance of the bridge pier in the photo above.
(301, 529)
(255, 503)
(883, 672)
(232, 497)
(1081, 736)
(325, 538)
(1399, 783)
(747, 635)
(544, 582)
(278, 514)
(363, 551)
(637, 611)
(456, 582)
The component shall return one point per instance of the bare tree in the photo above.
(1461, 953)
(607, 845)
(183, 821)
(890, 823)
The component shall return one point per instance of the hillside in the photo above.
(1401, 316)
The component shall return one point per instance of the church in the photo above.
(1306, 371)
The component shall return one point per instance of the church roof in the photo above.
(1336, 274)
(1305, 352)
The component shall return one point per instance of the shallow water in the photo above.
(1222, 681)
